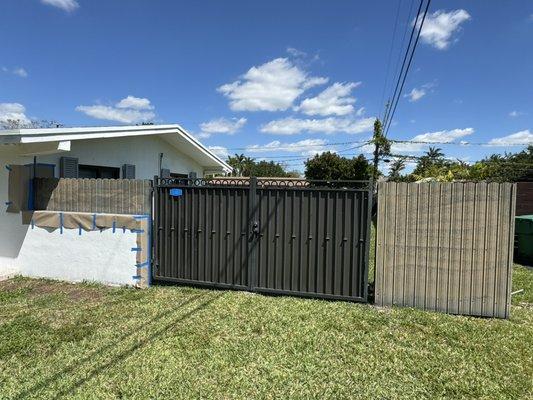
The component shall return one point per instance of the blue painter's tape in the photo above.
(114, 226)
(176, 192)
(79, 229)
(136, 249)
(61, 223)
(9, 168)
(123, 229)
(141, 216)
(32, 224)
(137, 231)
(142, 265)
(94, 221)
(136, 276)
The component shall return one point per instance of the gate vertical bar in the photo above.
(254, 233)
(368, 234)
(155, 227)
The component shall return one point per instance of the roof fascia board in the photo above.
(204, 149)
(29, 136)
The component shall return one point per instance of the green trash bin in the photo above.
(524, 239)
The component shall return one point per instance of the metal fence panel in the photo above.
(264, 236)
(446, 246)
(313, 242)
(201, 236)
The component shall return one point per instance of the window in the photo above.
(175, 175)
(40, 170)
(98, 172)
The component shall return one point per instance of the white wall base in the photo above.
(8, 268)
(98, 256)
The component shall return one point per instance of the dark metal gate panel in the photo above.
(313, 242)
(201, 235)
(299, 238)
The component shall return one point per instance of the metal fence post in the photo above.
(372, 185)
(155, 226)
(254, 229)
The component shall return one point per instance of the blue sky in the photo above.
(281, 79)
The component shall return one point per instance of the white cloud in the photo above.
(109, 113)
(130, 110)
(334, 100)
(136, 103)
(515, 113)
(304, 147)
(221, 125)
(273, 86)
(415, 94)
(292, 126)
(220, 151)
(430, 137)
(66, 5)
(522, 137)
(296, 53)
(440, 26)
(443, 136)
(13, 111)
(19, 71)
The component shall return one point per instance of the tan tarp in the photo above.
(19, 181)
(136, 224)
(18, 188)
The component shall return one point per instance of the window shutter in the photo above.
(165, 173)
(193, 175)
(128, 171)
(68, 167)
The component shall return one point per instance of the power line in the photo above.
(406, 55)
(391, 115)
(460, 143)
(416, 158)
(290, 147)
(390, 52)
(301, 162)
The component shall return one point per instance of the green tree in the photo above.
(247, 166)
(382, 147)
(431, 165)
(331, 166)
(397, 166)
(241, 164)
(505, 168)
(268, 169)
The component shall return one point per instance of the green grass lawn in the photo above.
(88, 341)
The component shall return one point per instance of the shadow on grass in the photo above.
(123, 354)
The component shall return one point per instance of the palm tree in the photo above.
(395, 168)
(241, 164)
(434, 154)
(237, 163)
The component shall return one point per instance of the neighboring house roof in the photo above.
(51, 140)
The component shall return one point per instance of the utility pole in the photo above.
(377, 141)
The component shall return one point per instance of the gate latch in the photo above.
(255, 228)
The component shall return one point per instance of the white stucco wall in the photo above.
(12, 232)
(142, 151)
(99, 256)
(18, 243)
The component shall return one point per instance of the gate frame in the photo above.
(251, 184)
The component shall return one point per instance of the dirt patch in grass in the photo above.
(39, 288)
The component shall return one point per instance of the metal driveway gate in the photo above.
(305, 238)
